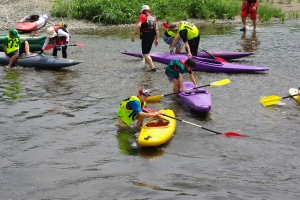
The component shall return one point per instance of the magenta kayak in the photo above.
(227, 55)
(196, 99)
(204, 64)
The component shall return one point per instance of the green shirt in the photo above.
(174, 68)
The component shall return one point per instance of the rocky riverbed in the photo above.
(14, 10)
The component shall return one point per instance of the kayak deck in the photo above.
(157, 131)
(198, 100)
(294, 91)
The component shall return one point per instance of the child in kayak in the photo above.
(175, 71)
(131, 109)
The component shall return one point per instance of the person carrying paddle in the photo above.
(249, 7)
(175, 71)
(13, 46)
(131, 109)
(189, 34)
(61, 39)
(147, 26)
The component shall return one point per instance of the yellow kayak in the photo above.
(294, 91)
(157, 131)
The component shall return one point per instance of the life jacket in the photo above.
(192, 30)
(172, 69)
(13, 44)
(60, 40)
(170, 34)
(127, 114)
(150, 25)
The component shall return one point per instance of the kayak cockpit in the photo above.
(158, 123)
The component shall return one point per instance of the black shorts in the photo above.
(147, 41)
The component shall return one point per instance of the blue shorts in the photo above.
(169, 41)
(171, 79)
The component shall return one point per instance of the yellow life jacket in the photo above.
(129, 115)
(13, 44)
(172, 34)
(192, 30)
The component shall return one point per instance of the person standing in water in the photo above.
(147, 26)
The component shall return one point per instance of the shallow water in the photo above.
(59, 138)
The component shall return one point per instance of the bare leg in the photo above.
(12, 60)
(178, 50)
(148, 60)
(254, 25)
(27, 48)
(176, 87)
(244, 21)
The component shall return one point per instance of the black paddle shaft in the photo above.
(289, 96)
(192, 124)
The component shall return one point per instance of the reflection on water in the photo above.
(13, 88)
(249, 41)
(124, 137)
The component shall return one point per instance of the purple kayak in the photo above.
(227, 55)
(196, 99)
(204, 64)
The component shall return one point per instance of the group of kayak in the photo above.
(17, 48)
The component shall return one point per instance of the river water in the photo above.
(59, 138)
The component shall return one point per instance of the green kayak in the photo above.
(36, 41)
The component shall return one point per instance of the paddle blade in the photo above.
(221, 82)
(232, 134)
(165, 25)
(220, 59)
(79, 45)
(49, 46)
(155, 98)
(270, 100)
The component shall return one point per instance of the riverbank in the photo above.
(14, 10)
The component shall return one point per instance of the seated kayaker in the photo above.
(13, 46)
(175, 71)
(131, 109)
(61, 39)
(299, 91)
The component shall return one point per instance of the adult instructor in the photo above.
(147, 26)
(189, 34)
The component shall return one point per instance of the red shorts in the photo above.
(248, 10)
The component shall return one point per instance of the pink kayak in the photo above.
(203, 64)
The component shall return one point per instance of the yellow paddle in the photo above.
(216, 83)
(273, 99)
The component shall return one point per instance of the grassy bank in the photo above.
(126, 11)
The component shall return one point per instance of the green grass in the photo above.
(127, 11)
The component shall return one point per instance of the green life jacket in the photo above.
(129, 115)
(13, 44)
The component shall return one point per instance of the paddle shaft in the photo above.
(207, 53)
(290, 96)
(192, 124)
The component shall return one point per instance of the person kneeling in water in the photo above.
(131, 109)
